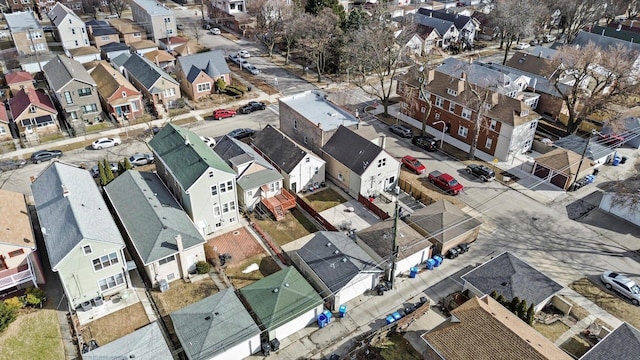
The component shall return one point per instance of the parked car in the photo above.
(223, 114)
(244, 54)
(413, 164)
(445, 182)
(252, 69)
(251, 107)
(211, 142)
(534, 42)
(480, 171)
(215, 31)
(44, 155)
(623, 285)
(233, 58)
(138, 159)
(105, 143)
(549, 38)
(206, 26)
(95, 172)
(522, 46)
(402, 130)
(427, 142)
(241, 133)
(11, 164)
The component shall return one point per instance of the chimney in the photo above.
(65, 191)
(461, 82)
(157, 63)
(179, 243)
(382, 141)
(431, 75)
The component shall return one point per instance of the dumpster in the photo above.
(412, 272)
(396, 316)
(342, 310)
(438, 260)
(390, 319)
(430, 263)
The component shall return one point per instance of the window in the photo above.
(533, 125)
(105, 261)
(16, 253)
(493, 125)
(73, 31)
(463, 131)
(317, 169)
(73, 115)
(437, 116)
(216, 210)
(420, 96)
(170, 92)
(111, 282)
(488, 143)
(167, 19)
(134, 106)
(2, 130)
(171, 276)
(423, 109)
(249, 193)
(76, 41)
(382, 162)
(210, 174)
(84, 92)
(104, 38)
(452, 92)
(167, 260)
(295, 123)
(224, 187)
(124, 94)
(91, 108)
(204, 87)
(466, 113)
(87, 249)
(230, 206)
(67, 97)
(452, 106)
(214, 190)
(439, 101)
(524, 112)
(136, 34)
(307, 159)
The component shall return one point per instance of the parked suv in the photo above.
(402, 130)
(251, 107)
(623, 285)
(223, 113)
(480, 171)
(425, 142)
(44, 155)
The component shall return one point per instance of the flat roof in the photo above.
(314, 107)
(22, 21)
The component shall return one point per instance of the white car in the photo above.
(138, 159)
(623, 285)
(522, 46)
(215, 31)
(211, 142)
(105, 143)
(244, 54)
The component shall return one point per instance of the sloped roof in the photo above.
(21, 21)
(151, 216)
(59, 13)
(186, 162)
(458, 20)
(17, 77)
(618, 345)
(443, 221)
(279, 148)
(236, 153)
(351, 150)
(126, 26)
(512, 277)
(114, 46)
(61, 70)
(531, 63)
(379, 238)
(100, 28)
(280, 297)
(621, 34)
(4, 117)
(121, 59)
(482, 329)
(211, 62)
(441, 26)
(577, 144)
(23, 99)
(146, 72)
(15, 222)
(85, 50)
(162, 56)
(564, 161)
(213, 325)
(143, 44)
(108, 79)
(604, 42)
(70, 218)
(146, 343)
(335, 260)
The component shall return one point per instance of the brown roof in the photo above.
(87, 50)
(144, 44)
(24, 98)
(161, 54)
(15, 222)
(108, 79)
(17, 77)
(482, 329)
(126, 26)
(174, 40)
(563, 161)
(4, 117)
(532, 64)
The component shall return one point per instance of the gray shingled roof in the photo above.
(59, 13)
(577, 144)
(120, 59)
(114, 46)
(61, 70)
(621, 344)
(150, 215)
(335, 259)
(101, 28)
(78, 215)
(146, 343)
(213, 325)
(480, 75)
(511, 277)
(441, 26)
(22, 21)
(351, 150)
(604, 42)
(211, 62)
(146, 72)
(379, 237)
(459, 21)
(279, 148)
(443, 221)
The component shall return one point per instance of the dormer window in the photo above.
(524, 112)
(124, 94)
(452, 92)
(32, 109)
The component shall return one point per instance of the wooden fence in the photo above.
(314, 214)
(373, 207)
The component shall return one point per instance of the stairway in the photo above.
(278, 212)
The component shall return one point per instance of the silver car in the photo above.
(623, 285)
(138, 159)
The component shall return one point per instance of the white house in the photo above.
(70, 29)
(622, 204)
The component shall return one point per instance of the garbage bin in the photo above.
(396, 316)
(430, 263)
(275, 344)
(342, 310)
(616, 160)
(438, 260)
(390, 319)
(623, 160)
(412, 272)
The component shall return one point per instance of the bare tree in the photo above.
(269, 21)
(320, 31)
(515, 19)
(118, 6)
(196, 31)
(89, 7)
(576, 14)
(594, 80)
(292, 29)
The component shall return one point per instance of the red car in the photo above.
(413, 164)
(223, 113)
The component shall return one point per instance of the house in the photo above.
(20, 264)
(101, 33)
(377, 241)
(258, 181)
(158, 88)
(445, 225)
(225, 329)
(198, 73)
(625, 25)
(70, 29)
(157, 19)
(43, 7)
(593, 150)
(337, 269)
(75, 91)
(5, 131)
(561, 167)
(26, 33)
(358, 166)
(618, 32)
(429, 38)
(119, 98)
(170, 43)
(143, 47)
(621, 200)
(508, 122)
(448, 34)
(113, 50)
(85, 54)
(34, 114)
(83, 243)
(129, 31)
(19, 80)
(465, 26)
(622, 341)
(161, 237)
(232, 14)
(606, 43)
(162, 59)
(300, 167)
(197, 177)
(511, 277)
(283, 303)
(144, 343)
(482, 328)
(627, 127)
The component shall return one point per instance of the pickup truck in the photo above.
(445, 182)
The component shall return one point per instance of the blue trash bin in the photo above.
(412, 272)
(328, 315)
(396, 316)
(390, 319)
(322, 321)
(430, 263)
(438, 260)
(616, 160)
(342, 310)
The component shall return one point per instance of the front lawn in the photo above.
(33, 335)
(324, 199)
(116, 325)
(182, 294)
(609, 301)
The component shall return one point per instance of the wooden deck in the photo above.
(280, 203)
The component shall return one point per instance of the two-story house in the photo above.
(447, 31)
(198, 73)
(75, 91)
(26, 33)
(232, 14)
(119, 98)
(465, 25)
(158, 88)
(83, 243)
(34, 115)
(101, 33)
(197, 177)
(158, 20)
(129, 31)
(70, 29)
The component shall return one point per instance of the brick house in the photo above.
(198, 73)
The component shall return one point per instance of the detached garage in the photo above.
(560, 167)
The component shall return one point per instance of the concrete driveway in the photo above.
(342, 216)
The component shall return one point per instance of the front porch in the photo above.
(279, 203)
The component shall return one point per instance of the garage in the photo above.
(560, 167)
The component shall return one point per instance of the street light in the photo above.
(444, 127)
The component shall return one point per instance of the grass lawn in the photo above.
(185, 121)
(608, 301)
(551, 331)
(294, 226)
(240, 280)
(116, 325)
(33, 335)
(181, 294)
(324, 199)
(397, 348)
(576, 346)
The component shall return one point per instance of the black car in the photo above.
(481, 171)
(44, 155)
(241, 133)
(402, 130)
(251, 107)
(427, 142)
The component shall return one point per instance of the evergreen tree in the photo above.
(315, 6)
(356, 19)
(531, 313)
(494, 295)
(102, 174)
(127, 164)
(513, 306)
(121, 168)
(107, 171)
(522, 310)
(502, 300)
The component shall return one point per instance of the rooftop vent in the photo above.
(208, 317)
(328, 244)
(336, 252)
(275, 290)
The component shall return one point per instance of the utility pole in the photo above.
(35, 50)
(394, 245)
(584, 153)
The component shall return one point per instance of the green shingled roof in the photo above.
(280, 297)
(185, 154)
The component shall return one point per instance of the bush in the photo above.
(35, 296)
(203, 267)
(209, 254)
(7, 315)
(220, 84)
(14, 303)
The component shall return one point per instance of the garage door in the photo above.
(541, 171)
(355, 288)
(559, 180)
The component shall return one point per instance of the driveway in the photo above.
(350, 215)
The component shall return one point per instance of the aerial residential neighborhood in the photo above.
(319, 180)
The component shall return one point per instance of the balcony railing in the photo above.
(280, 203)
(10, 278)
